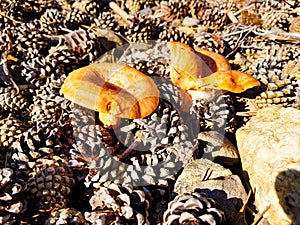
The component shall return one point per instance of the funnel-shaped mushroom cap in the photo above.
(202, 69)
(112, 88)
(214, 61)
(184, 58)
(235, 81)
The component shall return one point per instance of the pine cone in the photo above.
(47, 109)
(50, 187)
(24, 10)
(209, 41)
(279, 81)
(143, 29)
(83, 44)
(12, 101)
(153, 68)
(19, 163)
(158, 197)
(178, 9)
(27, 38)
(44, 141)
(95, 7)
(116, 204)
(65, 60)
(276, 14)
(66, 216)
(193, 208)
(281, 18)
(12, 200)
(80, 49)
(215, 114)
(93, 141)
(75, 18)
(197, 8)
(10, 128)
(52, 21)
(135, 6)
(173, 34)
(38, 70)
(214, 18)
(143, 145)
(107, 20)
(49, 87)
(155, 140)
(4, 22)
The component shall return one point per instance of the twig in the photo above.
(6, 70)
(239, 42)
(7, 17)
(278, 35)
(243, 9)
(246, 113)
(243, 209)
(59, 45)
(243, 29)
(127, 151)
(119, 11)
(207, 174)
(256, 221)
(232, 17)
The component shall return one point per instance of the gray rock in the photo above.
(197, 171)
(230, 194)
(218, 183)
(269, 147)
(224, 151)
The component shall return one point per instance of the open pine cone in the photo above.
(66, 216)
(193, 208)
(12, 202)
(116, 204)
(50, 187)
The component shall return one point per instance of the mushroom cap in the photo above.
(200, 69)
(112, 88)
(214, 61)
(184, 58)
(235, 81)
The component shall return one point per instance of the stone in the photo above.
(230, 193)
(269, 147)
(197, 171)
(217, 182)
(224, 151)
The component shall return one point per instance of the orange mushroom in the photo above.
(114, 90)
(235, 81)
(213, 72)
(215, 61)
